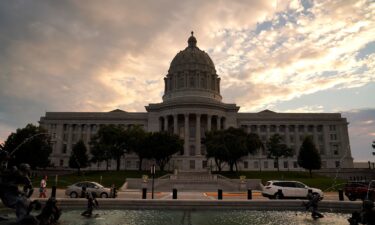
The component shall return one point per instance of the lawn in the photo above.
(107, 178)
(317, 181)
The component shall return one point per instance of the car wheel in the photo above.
(104, 195)
(279, 196)
(73, 194)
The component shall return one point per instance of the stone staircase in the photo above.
(195, 181)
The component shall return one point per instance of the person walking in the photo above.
(43, 186)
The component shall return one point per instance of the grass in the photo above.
(107, 178)
(317, 181)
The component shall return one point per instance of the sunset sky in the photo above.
(285, 56)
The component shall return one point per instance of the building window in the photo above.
(301, 138)
(291, 138)
(320, 138)
(192, 164)
(181, 81)
(136, 164)
(310, 128)
(64, 149)
(192, 81)
(295, 164)
(332, 127)
(333, 137)
(335, 149)
(324, 164)
(256, 164)
(263, 128)
(245, 164)
(203, 150)
(301, 128)
(272, 128)
(65, 127)
(275, 164)
(128, 164)
(204, 164)
(282, 128)
(291, 128)
(265, 165)
(319, 128)
(253, 128)
(337, 164)
(192, 150)
(61, 162)
(286, 164)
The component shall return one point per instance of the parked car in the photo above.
(359, 190)
(289, 189)
(74, 190)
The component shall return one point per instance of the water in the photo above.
(206, 217)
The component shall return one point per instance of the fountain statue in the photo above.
(13, 198)
(366, 216)
(91, 204)
(313, 204)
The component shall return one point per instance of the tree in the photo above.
(276, 149)
(79, 158)
(230, 146)
(29, 145)
(112, 140)
(137, 143)
(309, 157)
(163, 145)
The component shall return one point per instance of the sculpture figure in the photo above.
(91, 204)
(313, 204)
(366, 216)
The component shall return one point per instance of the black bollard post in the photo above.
(144, 193)
(114, 192)
(341, 195)
(53, 192)
(249, 194)
(219, 194)
(174, 196)
(279, 194)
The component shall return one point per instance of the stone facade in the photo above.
(191, 106)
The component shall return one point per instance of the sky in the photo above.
(96, 56)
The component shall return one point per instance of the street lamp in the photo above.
(153, 178)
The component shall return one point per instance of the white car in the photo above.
(75, 190)
(289, 189)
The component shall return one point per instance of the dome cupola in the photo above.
(192, 74)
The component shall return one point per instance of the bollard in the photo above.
(341, 195)
(219, 194)
(174, 196)
(53, 192)
(114, 192)
(144, 193)
(279, 194)
(83, 192)
(249, 194)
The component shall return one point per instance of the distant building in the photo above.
(192, 104)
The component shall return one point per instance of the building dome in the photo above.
(192, 73)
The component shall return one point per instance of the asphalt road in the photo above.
(137, 194)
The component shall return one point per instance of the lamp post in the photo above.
(153, 178)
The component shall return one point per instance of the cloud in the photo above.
(74, 56)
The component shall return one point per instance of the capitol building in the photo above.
(192, 105)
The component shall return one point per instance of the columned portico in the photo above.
(198, 134)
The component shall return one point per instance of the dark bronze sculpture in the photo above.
(366, 216)
(313, 204)
(13, 198)
(91, 204)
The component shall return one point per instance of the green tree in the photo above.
(78, 157)
(230, 146)
(163, 145)
(309, 157)
(112, 139)
(215, 148)
(276, 149)
(137, 143)
(31, 145)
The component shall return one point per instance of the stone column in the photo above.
(209, 117)
(175, 124)
(70, 132)
(198, 134)
(186, 140)
(88, 135)
(165, 123)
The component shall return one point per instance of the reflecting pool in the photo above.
(187, 217)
